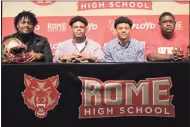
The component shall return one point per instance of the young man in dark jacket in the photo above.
(37, 46)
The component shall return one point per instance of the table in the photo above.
(66, 113)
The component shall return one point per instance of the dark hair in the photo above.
(166, 14)
(31, 16)
(78, 18)
(123, 20)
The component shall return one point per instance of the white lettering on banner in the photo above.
(179, 25)
(55, 45)
(56, 27)
(141, 26)
(128, 5)
(144, 26)
(37, 27)
(111, 25)
(165, 50)
(99, 111)
(92, 26)
(142, 110)
(92, 5)
(115, 4)
(150, 97)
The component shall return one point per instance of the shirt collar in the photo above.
(85, 41)
(127, 45)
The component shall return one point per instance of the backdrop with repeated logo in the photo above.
(54, 17)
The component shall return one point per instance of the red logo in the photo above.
(41, 95)
(113, 98)
(43, 2)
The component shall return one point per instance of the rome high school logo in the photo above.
(41, 95)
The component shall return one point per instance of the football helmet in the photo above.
(14, 51)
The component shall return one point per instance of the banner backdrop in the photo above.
(123, 94)
(54, 17)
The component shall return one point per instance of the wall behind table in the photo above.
(53, 18)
